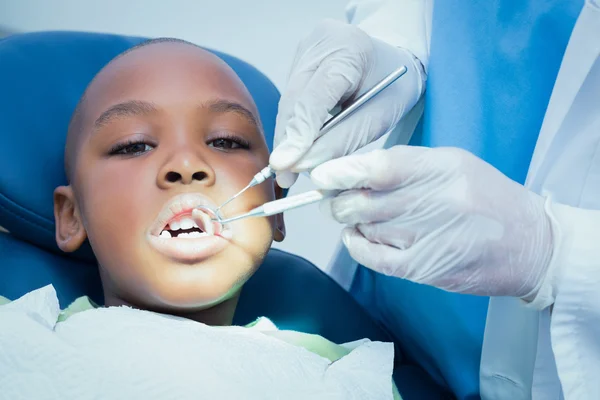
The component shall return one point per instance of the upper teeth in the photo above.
(184, 223)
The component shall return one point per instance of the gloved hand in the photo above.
(441, 217)
(336, 63)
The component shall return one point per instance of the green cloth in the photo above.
(313, 343)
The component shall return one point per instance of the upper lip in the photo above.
(179, 205)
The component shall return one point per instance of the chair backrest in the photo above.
(42, 76)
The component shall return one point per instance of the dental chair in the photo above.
(42, 76)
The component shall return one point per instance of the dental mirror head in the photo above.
(211, 219)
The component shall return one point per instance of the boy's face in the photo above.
(164, 128)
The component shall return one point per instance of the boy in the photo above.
(163, 128)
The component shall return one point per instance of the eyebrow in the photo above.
(225, 106)
(129, 108)
(134, 108)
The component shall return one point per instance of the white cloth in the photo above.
(519, 354)
(123, 353)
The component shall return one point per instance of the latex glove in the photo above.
(335, 63)
(441, 217)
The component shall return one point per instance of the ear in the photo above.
(279, 223)
(70, 233)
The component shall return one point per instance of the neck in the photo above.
(218, 315)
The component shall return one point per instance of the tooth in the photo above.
(186, 223)
(183, 235)
(174, 225)
(165, 234)
(196, 234)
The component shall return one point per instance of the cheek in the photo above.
(234, 171)
(252, 235)
(115, 206)
(233, 177)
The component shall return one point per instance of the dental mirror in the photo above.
(210, 219)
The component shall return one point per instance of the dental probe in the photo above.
(268, 172)
(287, 203)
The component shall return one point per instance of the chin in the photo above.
(187, 288)
(151, 281)
(196, 301)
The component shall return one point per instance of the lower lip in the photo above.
(188, 250)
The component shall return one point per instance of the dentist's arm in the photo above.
(338, 62)
(401, 23)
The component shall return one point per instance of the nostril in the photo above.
(173, 177)
(199, 176)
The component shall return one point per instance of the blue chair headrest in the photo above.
(42, 76)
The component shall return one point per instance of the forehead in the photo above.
(166, 74)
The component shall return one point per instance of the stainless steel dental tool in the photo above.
(302, 199)
(281, 205)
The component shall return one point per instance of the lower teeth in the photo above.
(190, 235)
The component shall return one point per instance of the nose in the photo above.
(185, 168)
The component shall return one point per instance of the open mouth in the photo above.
(185, 233)
(183, 227)
(191, 224)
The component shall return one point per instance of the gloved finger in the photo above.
(370, 121)
(285, 179)
(329, 84)
(325, 148)
(378, 257)
(367, 206)
(325, 207)
(329, 147)
(387, 233)
(298, 80)
(378, 169)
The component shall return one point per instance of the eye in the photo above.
(134, 148)
(229, 143)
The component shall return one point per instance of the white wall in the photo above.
(264, 33)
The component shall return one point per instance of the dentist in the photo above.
(500, 198)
